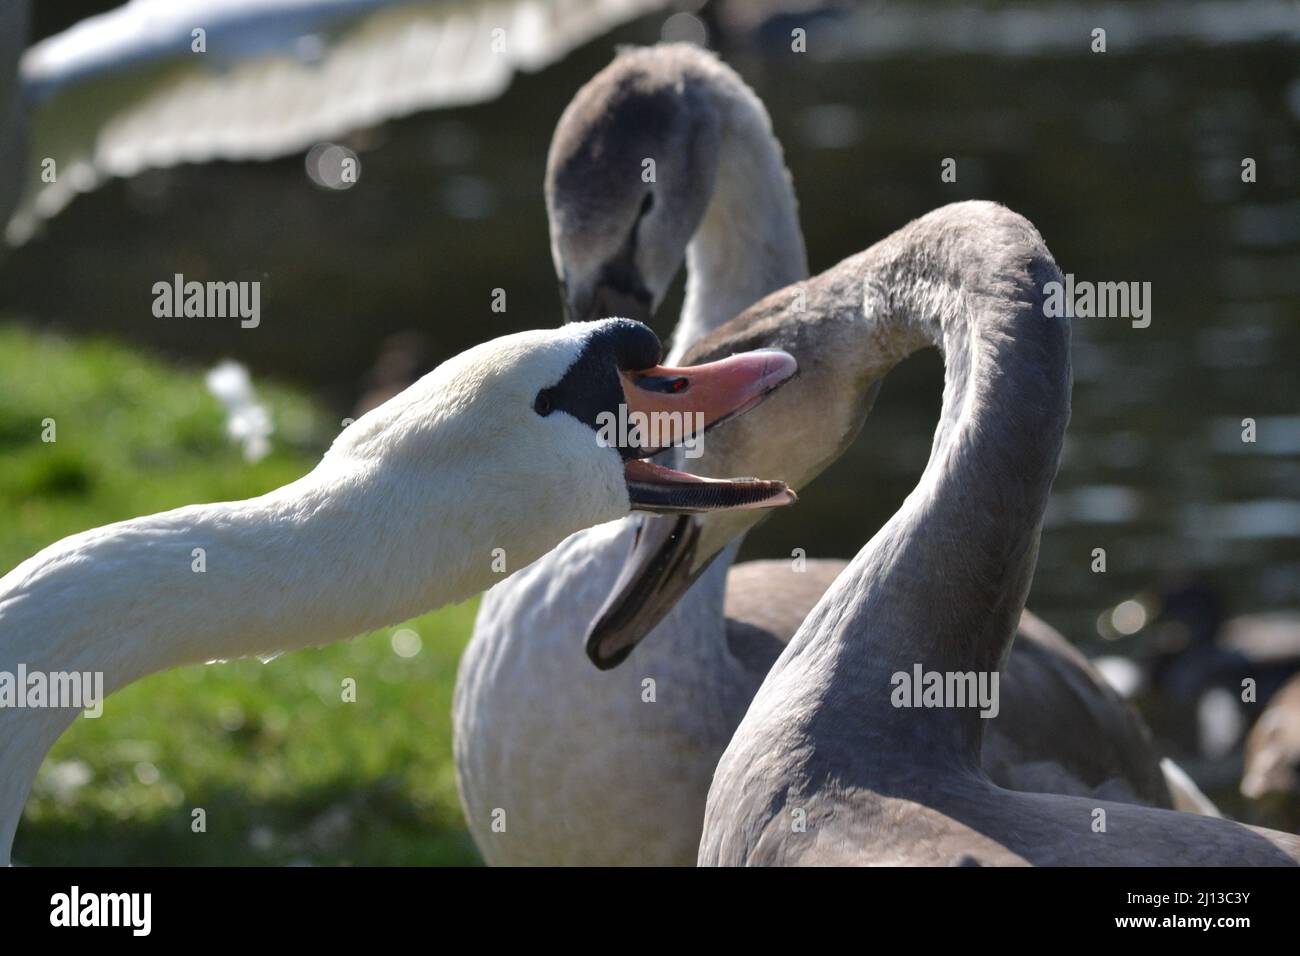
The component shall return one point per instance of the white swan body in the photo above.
(405, 512)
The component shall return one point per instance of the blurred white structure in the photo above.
(248, 423)
(160, 82)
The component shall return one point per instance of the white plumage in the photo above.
(402, 515)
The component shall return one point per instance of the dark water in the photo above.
(1128, 162)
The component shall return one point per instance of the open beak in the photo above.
(662, 564)
(669, 406)
(655, 576)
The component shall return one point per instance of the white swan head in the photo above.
(536, 422)
(630, 174)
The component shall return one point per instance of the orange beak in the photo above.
(668, 406)
(688, 401)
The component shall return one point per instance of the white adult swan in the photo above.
(129, 90)
(584, 768)
(831, 765)
(498, 448)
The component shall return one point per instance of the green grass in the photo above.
(284, 770)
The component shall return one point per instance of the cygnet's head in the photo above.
(630, 174)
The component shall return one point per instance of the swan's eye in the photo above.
(542, 403)
(647, 204)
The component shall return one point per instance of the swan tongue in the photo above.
(661, 490)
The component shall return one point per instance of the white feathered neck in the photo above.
(401, 516)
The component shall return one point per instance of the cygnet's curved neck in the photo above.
(942, 585)
(749, 243)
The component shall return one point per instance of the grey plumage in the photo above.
(1060, 728)
(824, 769)
(765, 604)
(587, 771)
